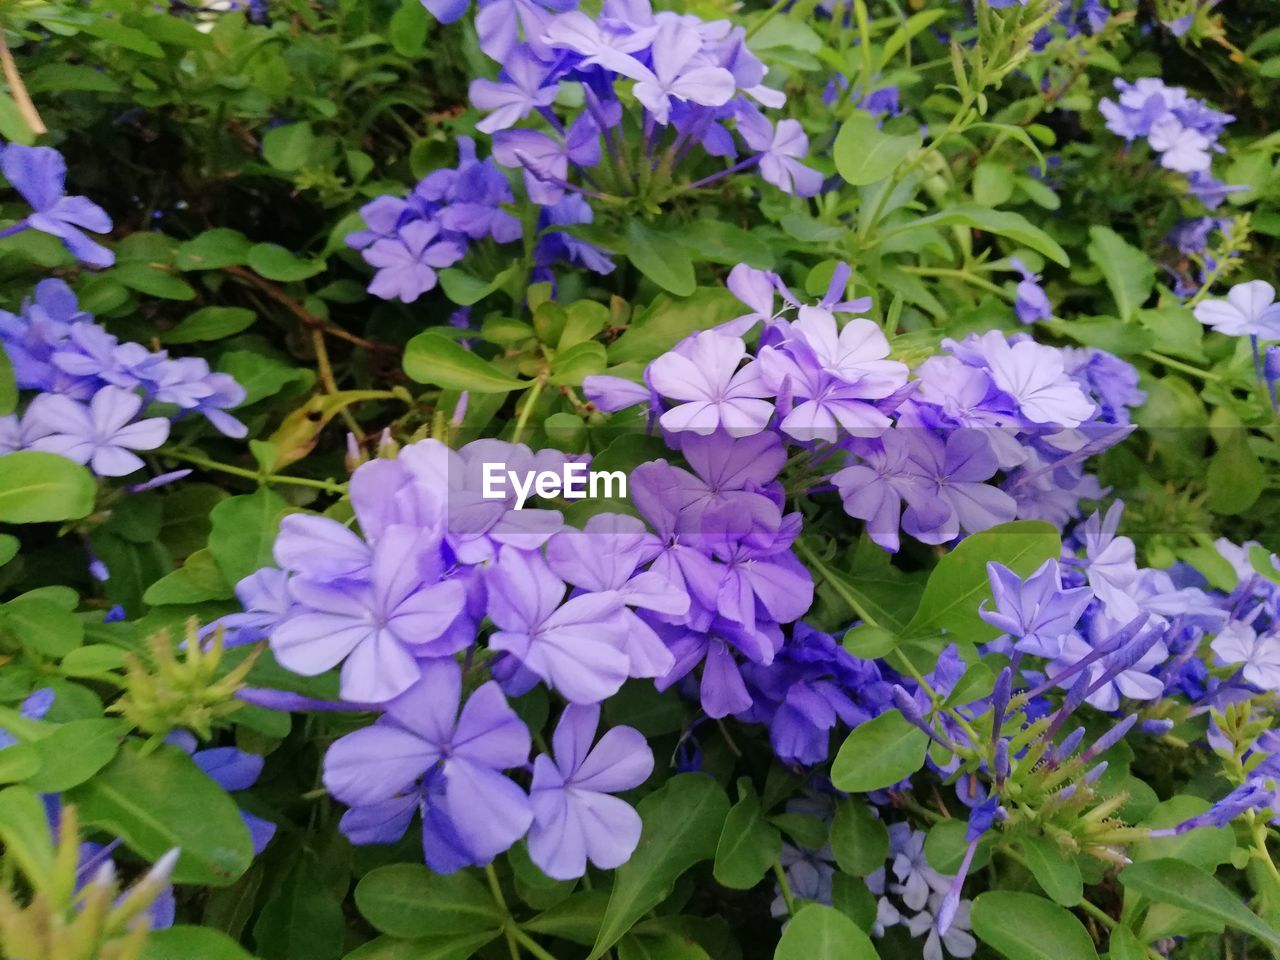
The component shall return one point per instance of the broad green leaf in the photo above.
(192, 943)
(260, 375)
(154, 281)
(571, 365)
(274, 262)
(437, 360)
(461, 946)
(859, 841)
(1187, 886)
(865, 154)
(1235, 477)
(213, 250)
(1002, 222)
(663, 261)
(946, 846)
(9, 545)
(748, 842)
(8, 386)
(464, 289)
(408, 29)
(959, 583)
(148, 801)
(244, 532)
(210, 323)
(289, 146)
(1204, 846)
(992, 184)
(42, 626)
(878, 754)
(1130, 273)
(18, 762)
(24, 828)
(74, 752)
(38, 487)
(1055, 871)
(682, 823)
(408, 900)
(663, 945)
(303, 920)
(1023, 926)
(1125, 945)
(723, 242)
(819, 932)
(576, 919)
(668, 320)
(196, 581)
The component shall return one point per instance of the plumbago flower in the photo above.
(94, 393)
(40, 174)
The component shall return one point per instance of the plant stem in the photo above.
(787, 896)
(530, 944)
(1179, 365)
(328, 486)
(836, 585)
(508, 926)
(19, 90)
(530, 401)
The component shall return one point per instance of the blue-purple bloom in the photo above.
(40, 174)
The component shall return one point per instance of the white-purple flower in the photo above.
(102, 434)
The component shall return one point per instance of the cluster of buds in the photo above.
(67, 916)
(181, 687)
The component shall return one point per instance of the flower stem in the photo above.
(787, 896)
(530, 401)
(508, 925)
(530, 944)
(328, 486)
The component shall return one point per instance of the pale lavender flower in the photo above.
(102, 435)
(1249, 310)
(1036, 612)
(703, 374)
(408, 262)
(1257, 654)
(575, 818)
(40, 174)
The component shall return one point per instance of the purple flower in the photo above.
(703, 374)
(1181, 148)
(407, 264)
(574, 817)
(1032, 303)
(1258, 654)
(423, 754)
(780, 151)
(577, 646)
(40, 175)
(678, 73)
(1249, 310)
(949, 494)
(1034, 376)
(513, 98)
(1036, 612)
(377, 628)
(102, 434)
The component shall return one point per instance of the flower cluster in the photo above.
(1184, 131)
(93, 389)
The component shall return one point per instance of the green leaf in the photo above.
(1130, 273)
(662, 945)
(303, 920)
(1204, 846)
(261, 376)
(959, 582)
(1198, 892)
(42, 626)
(24, 828)
(74, 752)
(819, 932)
(408, 900)
(244, 532)
(38, 487)
(865, 154)
(576, 919)
(210, 323)
(274, 262)
(1022, 926)
(9, 545)
(192, 943)
(668, 320)
(196, 581)
(665, 263)
(8, 386)
(748, 843)
(408, 29)
(682, 823)
(878, 754)
(1235, 477)
(148, 802)
(1125, 945)
(1055, 871)
(570, 366)
(153, 281)
(460, 947)
(433, 358)
(859, 841)
(288, 147)
(18, 762)
(213, 250)
(1002, 222)
(464, 289)
(723, 242)
(992, 184)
